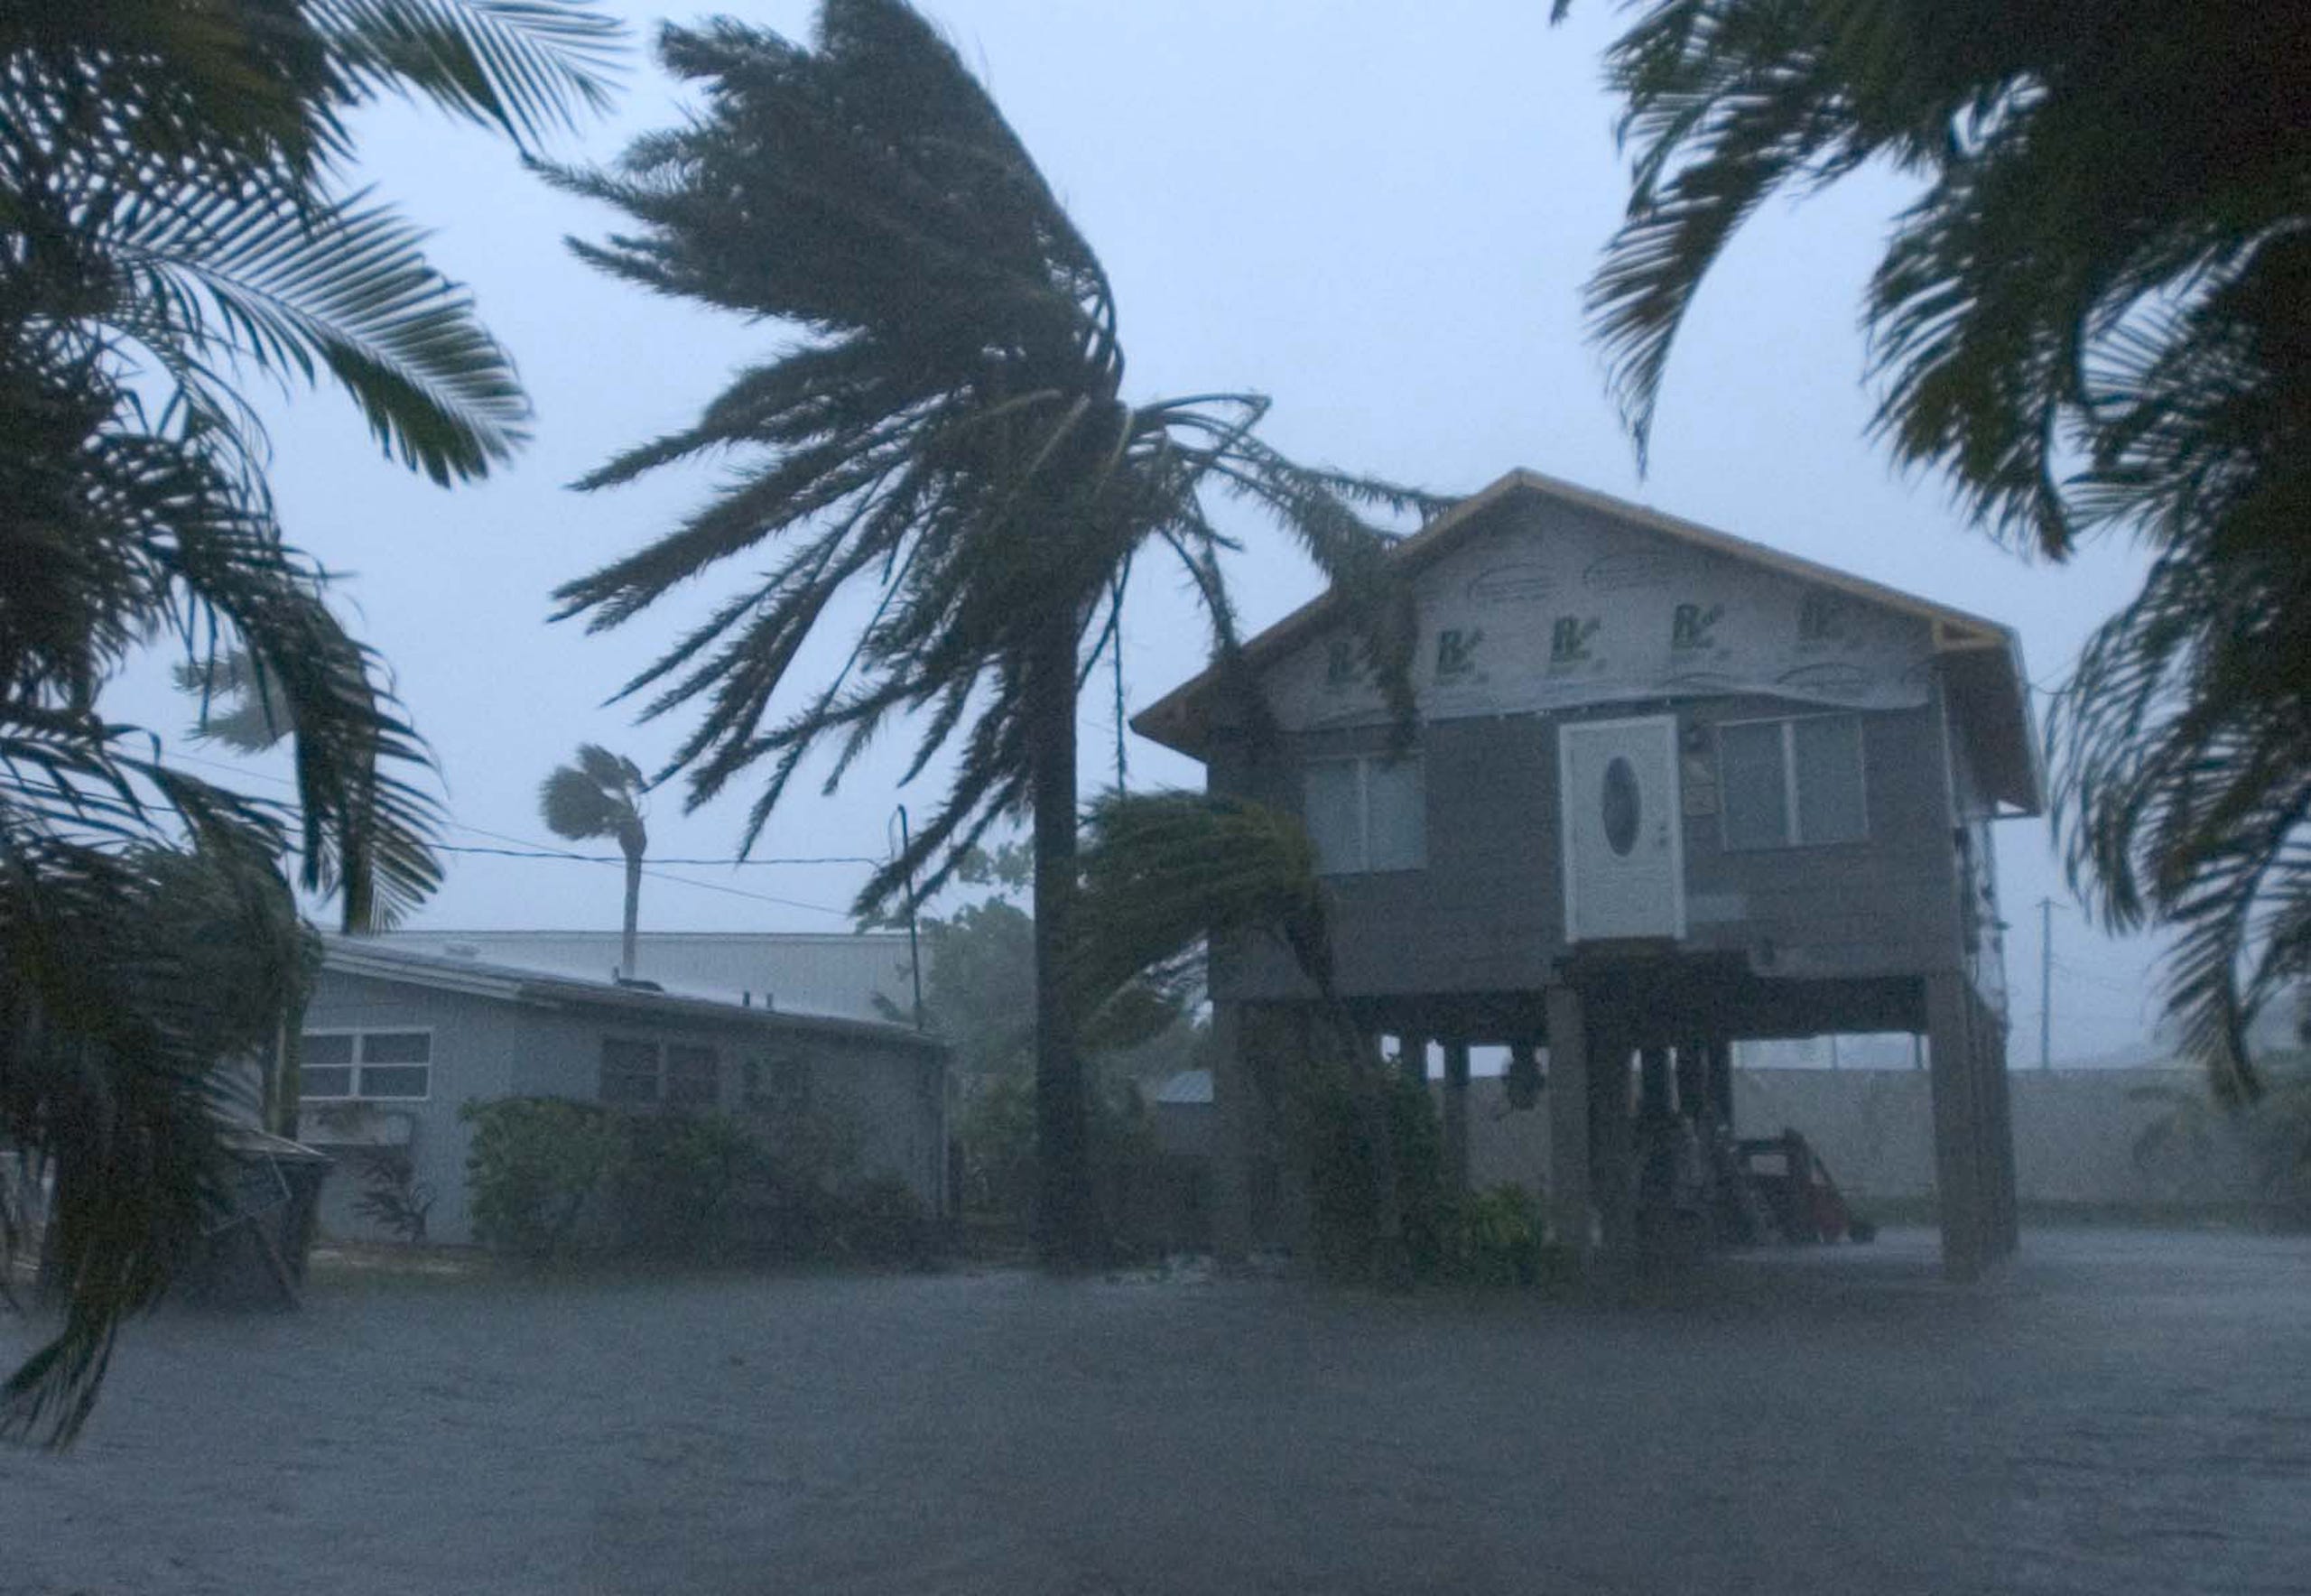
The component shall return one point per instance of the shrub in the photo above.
(534, 1164)
(391, 1196)
(1339, 1125)
(674, 1185)
(881, 1221)
(1497, 1238)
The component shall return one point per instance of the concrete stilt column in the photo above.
(1653, 1089)
(1231, 1186)
(1612, 1129)
(1692, 1080)
(1962, 1183)
(1568, 1103)
(1721, 1081)
(1990, 1038)
(1456, 1115)
(1412, 1060)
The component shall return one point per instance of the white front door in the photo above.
(1624, 836)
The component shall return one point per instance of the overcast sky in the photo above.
(1381, 214)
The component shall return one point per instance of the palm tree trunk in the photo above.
(633, 912)
(1068, 1227)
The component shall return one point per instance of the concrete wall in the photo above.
(2074, 1133)
(485, 1047)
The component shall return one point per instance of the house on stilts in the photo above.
(1668, 790)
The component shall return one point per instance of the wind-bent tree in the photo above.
(2096, 316)
(600, 796)
(172, 223)
(947, 427)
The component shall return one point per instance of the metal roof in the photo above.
(360, 956)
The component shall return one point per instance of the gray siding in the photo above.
(1487, 913)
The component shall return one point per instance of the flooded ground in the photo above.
(2122, 1413)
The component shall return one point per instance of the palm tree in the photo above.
(172, 222)
(2110, 263)
(948, 428)
(600, 796)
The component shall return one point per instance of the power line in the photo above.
(528, 847)
(543, 852)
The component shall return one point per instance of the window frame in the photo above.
(661, 1073)
(1364, 764)
(1792, 796)
(358, 1065)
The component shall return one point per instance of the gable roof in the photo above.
(1984, 659)
(364, 958)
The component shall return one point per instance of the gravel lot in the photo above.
(2121, 1411)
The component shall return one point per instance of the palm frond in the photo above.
(529, 68)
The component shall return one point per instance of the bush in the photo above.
(1335, 1124)
(534, 1164)
(1497, 1238)
(544, 1172)
(674, 1186)
(391, 1196)
(881, 1221)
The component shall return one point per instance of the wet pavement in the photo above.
(2120, 1412)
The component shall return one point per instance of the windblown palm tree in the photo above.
(172, 223)
(601, 796)
(949, 428)
(2111, 265)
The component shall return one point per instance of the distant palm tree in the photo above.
(2095, 315)
(948, 428)
(600, 796)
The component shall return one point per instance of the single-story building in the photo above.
(397, 1041)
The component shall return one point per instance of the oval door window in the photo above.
(1623, 807)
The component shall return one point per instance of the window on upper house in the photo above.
(1366, 814)
(366, 1066)
(1792, 783)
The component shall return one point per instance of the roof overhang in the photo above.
(1985, 658)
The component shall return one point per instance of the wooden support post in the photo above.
(1568, 1103)
(1456, 1116)
(1961, 1180)
(1231, 1186)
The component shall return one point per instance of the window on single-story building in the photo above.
(777, 1084)
(681, 1075)
(386, 1066)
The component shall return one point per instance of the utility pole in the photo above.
(914, 942)
(2046, 983)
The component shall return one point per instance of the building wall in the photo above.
(1487, 913)
(485, 1047)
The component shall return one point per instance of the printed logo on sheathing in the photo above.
(1510, 585)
